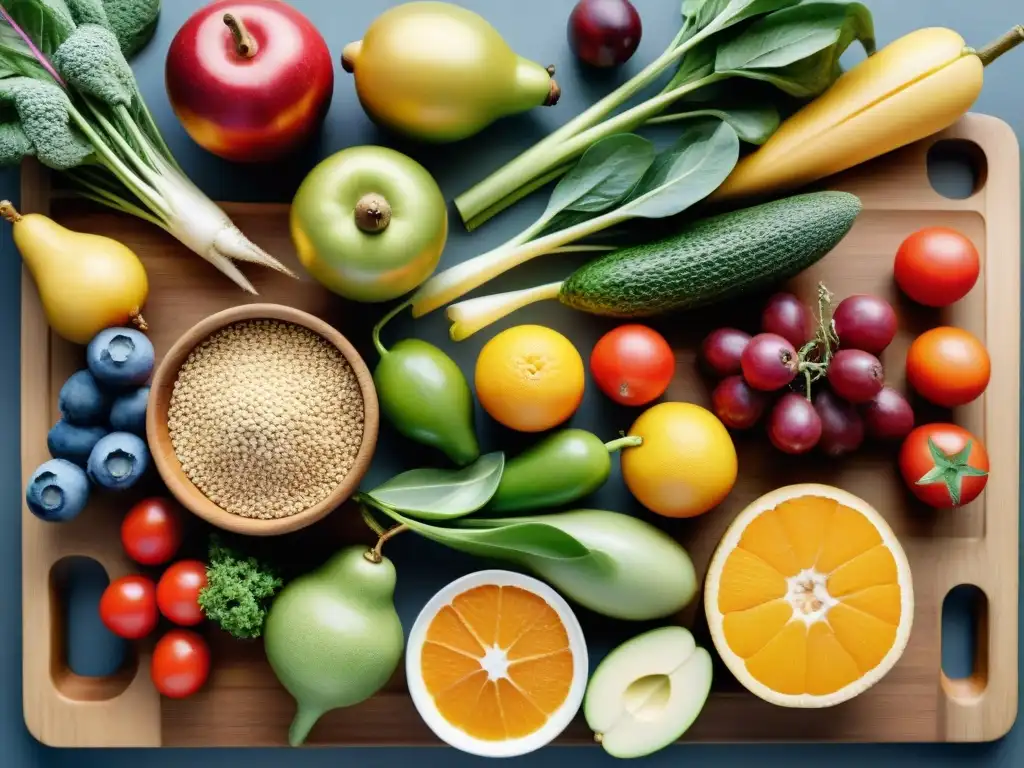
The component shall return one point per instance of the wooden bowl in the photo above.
(160, 439)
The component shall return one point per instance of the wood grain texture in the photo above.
(243, 705)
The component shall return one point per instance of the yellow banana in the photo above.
(917, 86)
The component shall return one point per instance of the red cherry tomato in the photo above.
(633, 365)
(181, 663)
(944, 465)
(177, 592)
(128, 607)
(151, 531)
(937, 266)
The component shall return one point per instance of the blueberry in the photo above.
(118, 460)
(82, 402)
(57, 491)
(129, 412)
(73, 443)
(120, 357)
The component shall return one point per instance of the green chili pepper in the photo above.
(425, 396)
(560, 469)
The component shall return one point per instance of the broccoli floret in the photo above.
(46, 130)
(91, 61)
(238, 591)
(133, 21)
(88, 12)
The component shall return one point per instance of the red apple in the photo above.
(249, 80)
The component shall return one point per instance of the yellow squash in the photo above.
(917, 86)
(86, 282)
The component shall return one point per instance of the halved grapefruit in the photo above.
(809, 597)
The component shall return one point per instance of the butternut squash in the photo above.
(917, 86)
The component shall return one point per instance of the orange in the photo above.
(687, 463)
(498, 661)
(809, 597)
(529, 378)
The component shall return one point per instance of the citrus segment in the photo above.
(809, 597)
(546, 635)
(447, 629)
(871, 569)
(478, 609)
(521, 716)
(782, 663)
(866, 638)
(766, 538)
(882, 602)
(487, 722)
(830, 667)
(849, 534)
(444, 667)
(749, 631)
(748, 581)
(518, 611)
(545, 680)
(806, 520)
(458, 702)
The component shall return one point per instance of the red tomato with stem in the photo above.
(177, 592)
(937, 266)
(181, 663)
(128, 607)
(944, 465)
(151, 531)
(633, 364)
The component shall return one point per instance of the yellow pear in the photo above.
(86, 282)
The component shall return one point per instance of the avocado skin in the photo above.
(714, 259)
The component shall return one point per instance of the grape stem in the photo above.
(816, 355)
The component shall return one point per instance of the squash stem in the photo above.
(624, 442)
(473, 315)
(1006, 43)
(381, 349)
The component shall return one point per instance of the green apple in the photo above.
(647, 692)
(369, 223)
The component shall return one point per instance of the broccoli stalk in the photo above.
(69, 98)
(238, 591)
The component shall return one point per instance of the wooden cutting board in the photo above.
(244, 706)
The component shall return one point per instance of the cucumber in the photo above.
(714, 259)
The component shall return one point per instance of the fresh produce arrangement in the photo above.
(808, 596)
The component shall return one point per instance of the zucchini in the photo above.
(714, 259)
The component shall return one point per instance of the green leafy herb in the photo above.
(442, 494)
(792, 46)
(753, 125)
(680, 176)
(69, 98)
(950, 470)
(238, 591)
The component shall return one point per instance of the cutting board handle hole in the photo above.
(957, 168)
(965, 643)
(87, 661)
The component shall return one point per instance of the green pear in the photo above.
(333, 637)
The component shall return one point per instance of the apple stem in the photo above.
(373, 213)
(245, 43)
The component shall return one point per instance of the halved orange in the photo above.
(809, 597)
(497, 664)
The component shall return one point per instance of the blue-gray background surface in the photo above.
(535, 29)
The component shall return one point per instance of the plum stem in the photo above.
(245, 43)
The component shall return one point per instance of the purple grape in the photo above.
(794, 426)
(769, 362)
(889, 416)
(855, 375)
(867, 323)
(736, 404)
(842, 428)
(722, 350)
(786, 316)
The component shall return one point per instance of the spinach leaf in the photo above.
(604, 175)
(685, 173)
(741, 10)
(754, 125)
(442, 494)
